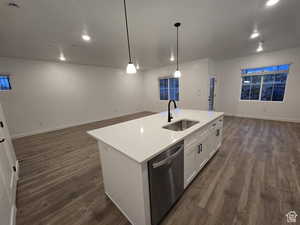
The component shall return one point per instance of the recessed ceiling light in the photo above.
(137, 66)
(255, 34)
(86, 37)
(270, 3)
(260, 47)
(172, 58)
(62, 57)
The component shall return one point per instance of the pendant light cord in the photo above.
(177, 50)
(129, 53)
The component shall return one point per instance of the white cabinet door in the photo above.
(7, 190)
(199, 148)
(8, 175)
(215, 140)
(7, 167)
(5, 209)
(189, 165)
(202, 153)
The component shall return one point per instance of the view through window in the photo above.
(4, 83)
(265, 83)
(169, 88)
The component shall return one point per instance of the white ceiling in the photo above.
(210, 28)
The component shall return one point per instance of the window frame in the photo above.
(168, 77)
(261, 84)
(9, 81)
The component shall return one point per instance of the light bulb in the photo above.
(255, 34)
(172, 58)
(62, 57)
(260, 47)
(86, 37)
(177, 74)
(270, 3)
(137, 66)
(130, 68)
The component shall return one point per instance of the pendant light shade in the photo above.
(177, 73)
(130, 67)
(260, 47)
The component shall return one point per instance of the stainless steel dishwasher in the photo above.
(165, 181)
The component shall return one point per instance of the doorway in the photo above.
(211, 95)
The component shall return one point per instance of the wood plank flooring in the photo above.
(254, 179)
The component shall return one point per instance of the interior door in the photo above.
(211, 96)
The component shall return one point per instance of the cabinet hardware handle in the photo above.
(1, 124)
(218, 132)
(2, 140)
(214, 124)
(199, 148)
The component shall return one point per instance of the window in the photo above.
(4, 83)
(164, 89)
(169, 89)
(264, 84)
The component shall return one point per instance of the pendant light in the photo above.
(260, 47)
(130, 67)
(177, 73)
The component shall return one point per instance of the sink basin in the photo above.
(181, 125)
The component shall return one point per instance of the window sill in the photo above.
(255, 101)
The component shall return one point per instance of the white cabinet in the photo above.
(189, 164)
(200, 146)
(8, 175)
(202, 153)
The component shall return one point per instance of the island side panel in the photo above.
(126, 184)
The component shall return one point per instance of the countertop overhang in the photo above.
(142, 139)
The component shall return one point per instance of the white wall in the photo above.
(193, 85)
(48, 95)
(229, 84)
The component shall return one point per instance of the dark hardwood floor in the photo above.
(254, 179)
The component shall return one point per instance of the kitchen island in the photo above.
(126, 150)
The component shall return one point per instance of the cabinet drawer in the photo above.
(194, 138)
(220, 122)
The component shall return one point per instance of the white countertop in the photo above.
(142, 139)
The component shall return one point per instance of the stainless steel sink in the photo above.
(181, 125)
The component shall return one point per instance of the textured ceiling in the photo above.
(218, 29)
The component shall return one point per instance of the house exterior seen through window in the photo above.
(4, 83)
(265, 83)
(169, 88)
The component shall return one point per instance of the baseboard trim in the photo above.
(41, 131)
(264, 118)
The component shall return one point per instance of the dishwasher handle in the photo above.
(167, 160)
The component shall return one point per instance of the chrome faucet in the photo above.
(170, 117)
